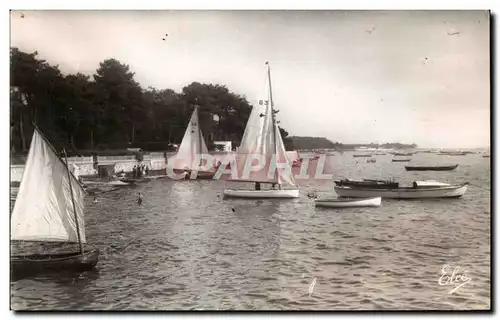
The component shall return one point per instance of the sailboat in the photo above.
(262, 137)
(49, 208)
(192, 146)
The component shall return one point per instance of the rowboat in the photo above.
(431, 190)
(348, 203)
(401, 160)
(431, 168)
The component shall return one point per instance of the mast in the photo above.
(73, 201)
(199, 132)
(272, 113)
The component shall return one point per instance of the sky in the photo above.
(351, 76)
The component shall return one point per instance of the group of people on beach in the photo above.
(140, 170)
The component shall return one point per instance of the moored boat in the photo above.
(401, 160)
(402, 154)
(348, 203)
(361, 155)
(415, 192)
(431, 168)
(367, 183)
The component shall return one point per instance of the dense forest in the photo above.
(310, 143)
(110, 110)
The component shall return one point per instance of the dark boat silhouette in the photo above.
(365, 183)
(431, 168)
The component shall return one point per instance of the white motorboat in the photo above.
(348, 203)
(415, 192)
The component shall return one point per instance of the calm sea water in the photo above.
(186, 248)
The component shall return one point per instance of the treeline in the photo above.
(323, 143)
(110, 110)
(302, 143)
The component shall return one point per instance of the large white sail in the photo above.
(192, 144)
(44, 210)
(262, 137)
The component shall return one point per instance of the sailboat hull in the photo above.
(284, 194)
(22, 265)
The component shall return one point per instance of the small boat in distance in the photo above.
(420, 189)
(348, 203)
(371, 160)
(486, 156)
(361, 155)
(192, 145)
(367, 183)
(402, 154)
(401, 160)
(431, 168)
(49, 208)
(452, 153)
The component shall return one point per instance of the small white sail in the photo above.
(262, 137)
(192, 144)
(44, 210)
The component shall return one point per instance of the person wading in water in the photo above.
(139, 199)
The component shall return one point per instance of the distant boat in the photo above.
(348, 203)
(419, 190)
(361, 155)
(192, 145)
(118, 183)
(262, 135)
(458, 154)
(431, 168)
(380, 154)
(403, 154)
(401, 160)
(486, 156)
(371, 160)
(452, 153)
(49, 208)
(367, 183)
